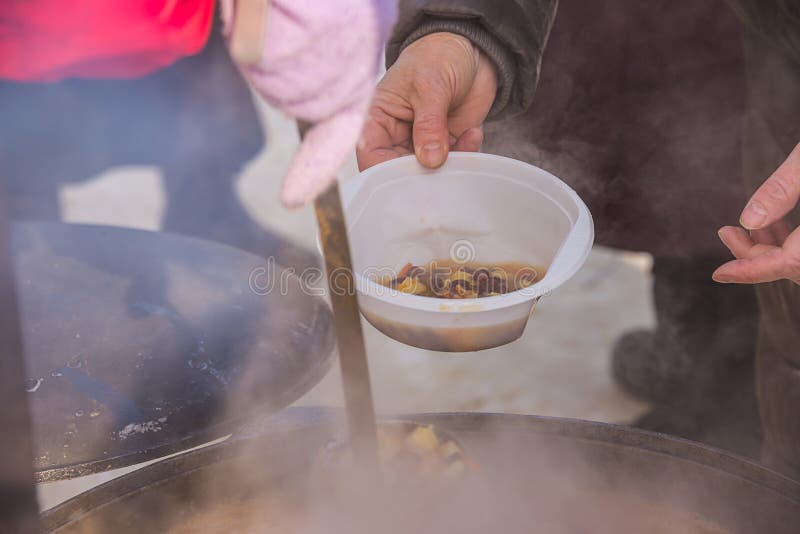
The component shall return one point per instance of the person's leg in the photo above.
(778, 390)
(43, 140)
(682, 140)
(697, 366)
(195, 120)
(772, 129)
(703, 343)
(640, 112)
(53, 134)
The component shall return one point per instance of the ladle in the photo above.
(347, 324)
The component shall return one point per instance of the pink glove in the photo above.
(319, 63)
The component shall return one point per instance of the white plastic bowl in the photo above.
(477, 207)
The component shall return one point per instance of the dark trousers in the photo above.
(640, 107)
(194, 120)
(772, 130)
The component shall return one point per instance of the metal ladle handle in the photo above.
(347, 323)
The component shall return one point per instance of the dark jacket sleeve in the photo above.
(512, 33)
(777, 21)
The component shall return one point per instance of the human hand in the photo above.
(771, 249)
(317, 65)
(432, 100)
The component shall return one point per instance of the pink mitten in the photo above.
(318, 62)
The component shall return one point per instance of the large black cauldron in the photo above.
(557, 461)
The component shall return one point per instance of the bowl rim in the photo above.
(543, 287)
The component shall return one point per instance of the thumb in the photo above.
(324, 149)
(776, 197)
(430, 135)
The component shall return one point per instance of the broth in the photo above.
(449, 279)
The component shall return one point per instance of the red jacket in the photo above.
(49, 40)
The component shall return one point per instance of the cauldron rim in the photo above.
(297, 419)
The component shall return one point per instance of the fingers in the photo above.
(742, 245)
(429, 133)
(379, 155)
(737, 240)
(383, 138)
(771, 251)
(325, 148)
(379, 145)
(470, 141)
(774, 234)
(758, 262)
(766, 267)
(777, 195)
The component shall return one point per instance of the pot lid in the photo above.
(139, 343)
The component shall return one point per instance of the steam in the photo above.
(527, 482)
(639, 109)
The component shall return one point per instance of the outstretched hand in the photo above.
(767, 248)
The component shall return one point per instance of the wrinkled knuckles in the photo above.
(430, 124)
(781, 188)
(427, 87)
